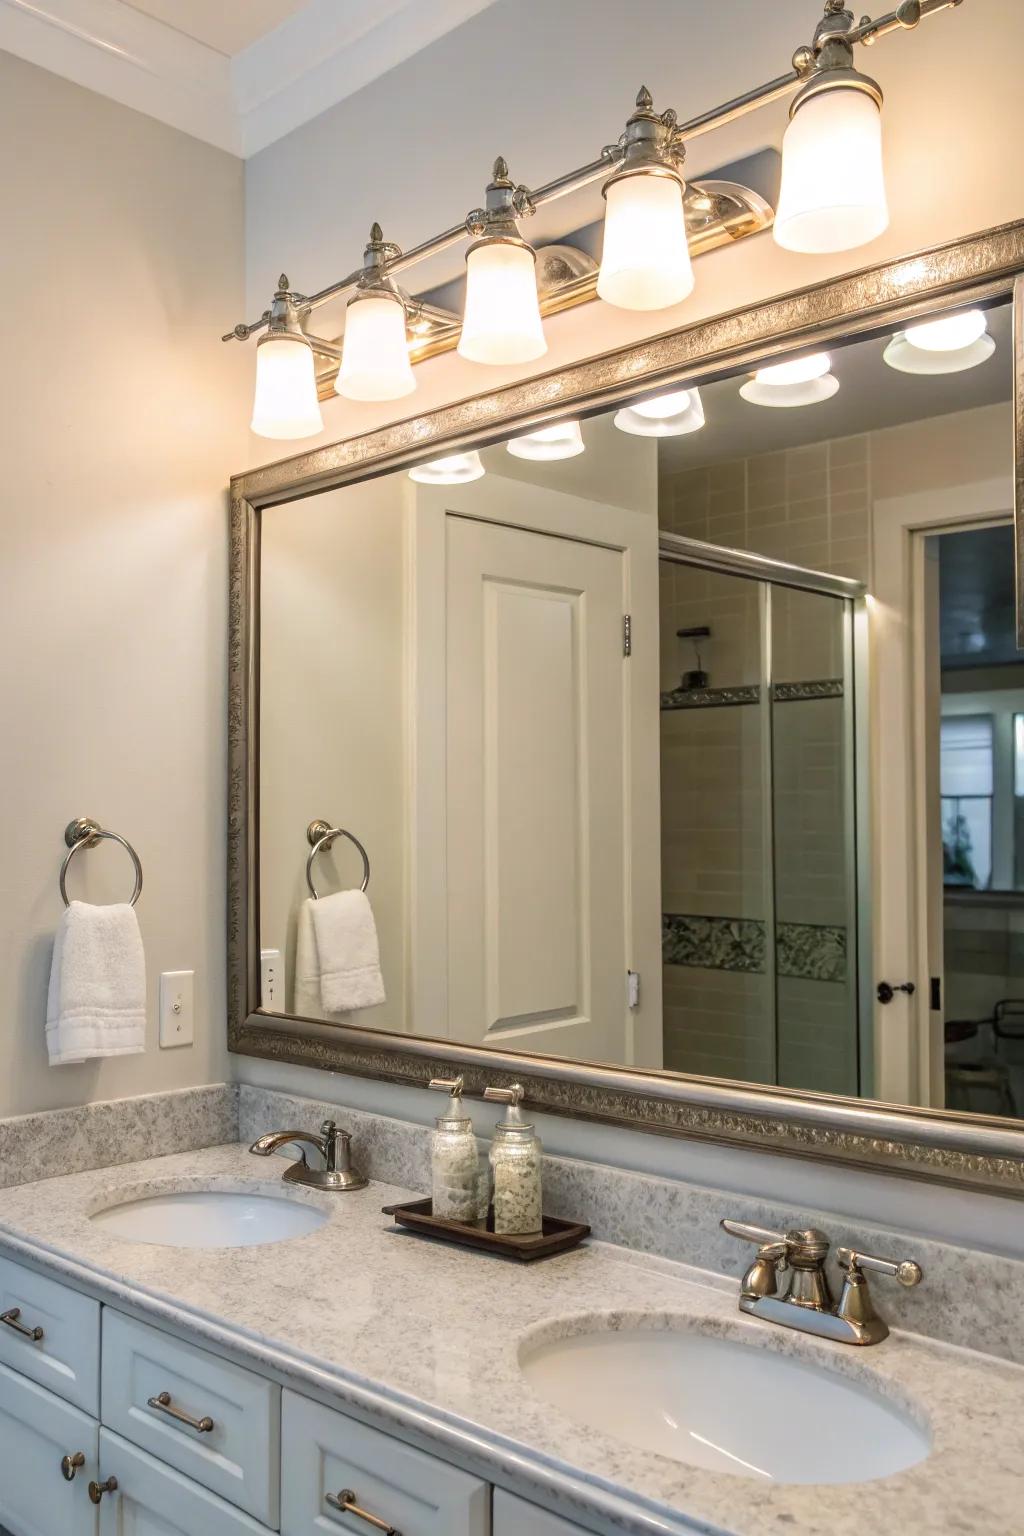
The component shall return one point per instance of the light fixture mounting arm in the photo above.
(505, 203)
(650, 143)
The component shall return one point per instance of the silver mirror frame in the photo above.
(944, 1146)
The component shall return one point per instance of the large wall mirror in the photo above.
(673, 729)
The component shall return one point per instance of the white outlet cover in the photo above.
(177, 1009)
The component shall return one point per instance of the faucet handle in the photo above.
(760, 1235)
(906, 1271)
(761, 1279)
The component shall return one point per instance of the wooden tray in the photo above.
(556, 1236)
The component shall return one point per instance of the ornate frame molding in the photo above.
(949, 1147)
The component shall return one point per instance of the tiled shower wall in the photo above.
(810, 506)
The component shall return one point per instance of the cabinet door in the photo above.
(514, 1517)
(36, 1431)
(154, 1500)
(325, 1454)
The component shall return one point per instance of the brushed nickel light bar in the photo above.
(654, 223)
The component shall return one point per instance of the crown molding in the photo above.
(312, 61)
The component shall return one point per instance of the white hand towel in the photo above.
(306, 998)
(96, 1005)
(348, 952)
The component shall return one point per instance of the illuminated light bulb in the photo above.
(374, 351)
(564, 441)
(285, 404)
(501, 322)
(800, 381)
(670, 415)
(832, 196)
(949, 333)
(645, 263)
(456, 469)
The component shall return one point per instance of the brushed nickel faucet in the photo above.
(334, 1146)
(806, 1301)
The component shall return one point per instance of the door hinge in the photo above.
(627, 634)
(633, 989)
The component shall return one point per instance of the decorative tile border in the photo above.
(57, 1141)
(809, 951)
(750, 693)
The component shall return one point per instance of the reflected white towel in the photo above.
(96, 1004)
(306, 998)
(348, 953)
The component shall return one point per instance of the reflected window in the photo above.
(966, 785)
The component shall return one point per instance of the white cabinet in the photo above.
(514, 1517)
(326, 1455)
(212, 1420)
(52, 1335)
(36, 1431)
(154, 1500)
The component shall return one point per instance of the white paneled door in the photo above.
(536, 792)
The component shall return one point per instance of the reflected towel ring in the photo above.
(320, 834)
(86, 833)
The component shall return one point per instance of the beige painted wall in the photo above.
(122, 417)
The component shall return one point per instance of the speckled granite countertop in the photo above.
(424, 1338)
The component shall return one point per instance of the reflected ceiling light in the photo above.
(832, 195)
(645, 263)
(950, 344)
(564, 441)
(285, 404)
(665, 416)
(375, 351)
(801, 381)
(456, 469)
(501, 322)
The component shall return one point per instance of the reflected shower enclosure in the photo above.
(760, 937)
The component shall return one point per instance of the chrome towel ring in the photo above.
(86, 833)
(320, 834)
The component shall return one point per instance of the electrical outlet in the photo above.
(177, 1009)
(271, 980)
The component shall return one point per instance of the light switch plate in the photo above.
(272, 980)
(177, 1009)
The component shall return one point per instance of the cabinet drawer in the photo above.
(36, 1431)
(324, 1452)
(514, 1517)
(239, 1457)
(67, 1357)
(153, 1500)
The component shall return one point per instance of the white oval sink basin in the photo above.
(724, 1406)
(203, 1218)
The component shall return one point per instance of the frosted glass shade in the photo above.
(949, 332)
(285, 404)
(801, 381)
(670, 415)
(646, 260)
(501, 322)
(564, 441)
(374, 352)
(456, 469)
(832, 196)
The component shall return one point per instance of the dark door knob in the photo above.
(887, 990)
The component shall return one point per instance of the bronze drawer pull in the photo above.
(69, 1465)
(346, 1502)
(11, 1319)
(162, 1404)
(97, 1490)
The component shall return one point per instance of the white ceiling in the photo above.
(227, 26)
(237, 73)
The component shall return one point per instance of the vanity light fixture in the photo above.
(285, 404)
(832, 195)
(802, 381)
(950, 344)
(665, 416)
(455, 469)
(564, 441)
(646, 261)
(374, 350)
(832, 199)
(501, 322)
